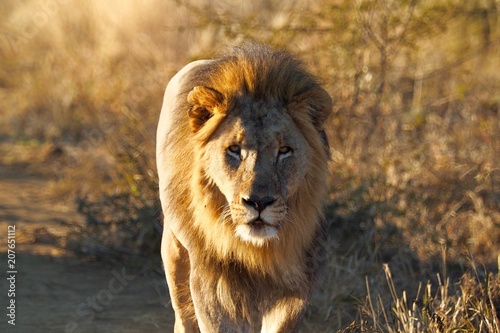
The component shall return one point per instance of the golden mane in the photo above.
(246, 74)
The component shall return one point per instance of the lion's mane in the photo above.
(248, 73)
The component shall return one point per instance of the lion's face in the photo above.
(257, 158)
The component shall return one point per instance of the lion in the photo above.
(242, 162)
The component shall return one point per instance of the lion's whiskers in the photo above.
(290, 217)
(225, 214)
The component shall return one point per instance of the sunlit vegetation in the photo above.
(415, 136)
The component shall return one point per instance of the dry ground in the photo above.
(57, 292)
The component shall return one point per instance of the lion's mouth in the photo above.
(257, 232)
(259, 223)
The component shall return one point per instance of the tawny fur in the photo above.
(246, 286)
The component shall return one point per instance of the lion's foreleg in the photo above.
(177, 266)
(285, 316)
(210, 313)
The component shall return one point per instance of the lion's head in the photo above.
(261, 152)
(257, 158)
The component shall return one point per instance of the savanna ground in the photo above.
(57, 291)
(414, 241)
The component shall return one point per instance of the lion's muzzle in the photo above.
(259, 219)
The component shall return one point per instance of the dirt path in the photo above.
(56, 292)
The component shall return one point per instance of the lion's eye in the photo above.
(285, 151)
(234, 150)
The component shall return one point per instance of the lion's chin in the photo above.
(257, 234)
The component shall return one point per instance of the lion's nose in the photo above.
(259, 203)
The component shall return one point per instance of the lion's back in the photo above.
(172, 124)
(174, 146)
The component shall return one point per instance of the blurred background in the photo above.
(414, 136)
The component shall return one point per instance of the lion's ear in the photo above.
(319, 104)
(204, 103)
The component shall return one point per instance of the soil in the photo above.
(55, 291)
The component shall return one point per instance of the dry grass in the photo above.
(415, 136)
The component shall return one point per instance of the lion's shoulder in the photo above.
(173, 98)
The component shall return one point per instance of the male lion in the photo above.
(242, 161)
